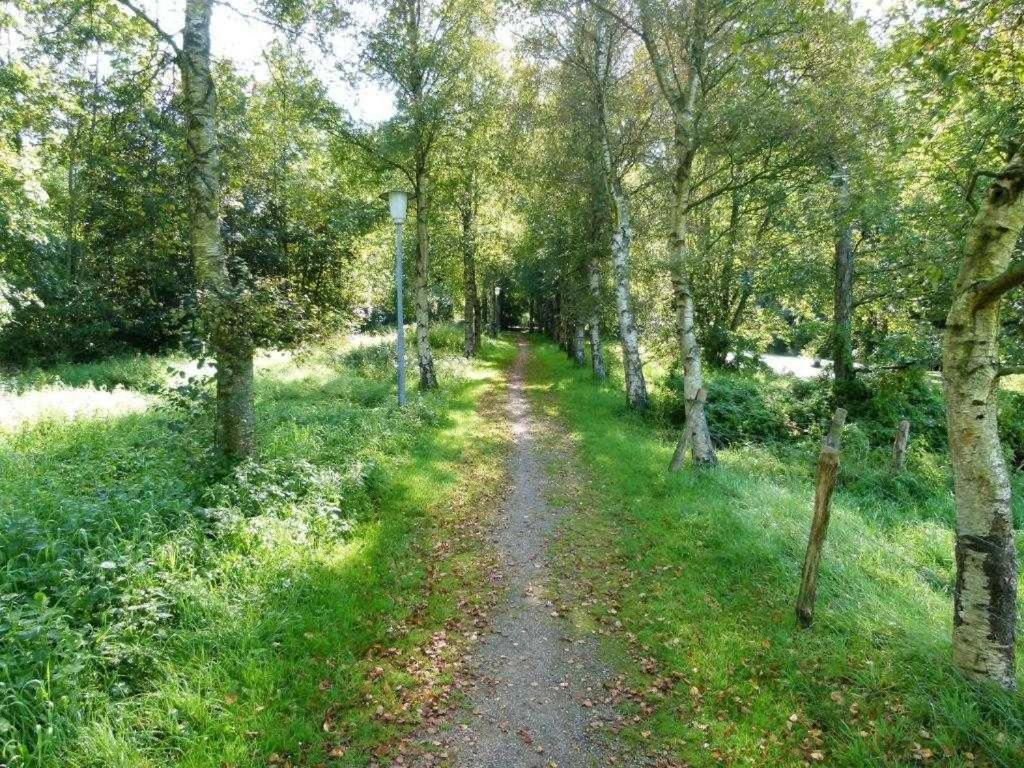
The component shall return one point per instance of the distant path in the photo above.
(536, 694)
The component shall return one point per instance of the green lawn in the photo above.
(693, 579)
(156, 610)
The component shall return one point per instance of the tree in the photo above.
(985, 600)
(614, 153)
(220, 297)
(420, 48)
(979, 83)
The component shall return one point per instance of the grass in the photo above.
(692, 578)
(158, 610)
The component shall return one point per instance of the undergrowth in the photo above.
(159, 609)
(694, 576)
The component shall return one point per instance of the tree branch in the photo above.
(617, 16)
(991, 291)
(141, 14)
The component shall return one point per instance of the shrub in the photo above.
(911, 394)
(741, 408)
(1011, 424)
(447, 338)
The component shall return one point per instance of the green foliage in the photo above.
(913, 394)
(692, 577)
(152, 603)
(740, 408)
(761, 408)
(143, 373)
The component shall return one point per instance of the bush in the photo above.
(1011, 426)
(447, 338)
(911, 394)
(762, 408)
(741, 408)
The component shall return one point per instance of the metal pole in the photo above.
(399, 313)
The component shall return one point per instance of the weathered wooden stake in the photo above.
(825, 485)
(899, 446)
(684, 442)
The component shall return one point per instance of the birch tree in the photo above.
(985, 600)
(979, 82)
(419, 48)
(613, 168)
(221, 297)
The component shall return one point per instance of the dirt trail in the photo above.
(536, 690)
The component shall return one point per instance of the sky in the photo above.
(237, 36)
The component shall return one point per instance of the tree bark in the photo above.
(596, 348)
(985, 597)
(824, 487)
(899, 446)
(428, 378)
(622, 234)
(220, 302)
(679, 457)
(682, 92)
(682, 290)
(478, 317)
(472, 304)
(579, 345)
(718, 343)
(496, 312)
(842, 342)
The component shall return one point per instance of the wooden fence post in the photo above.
(824, 486)
(899, 446)
(684, 442)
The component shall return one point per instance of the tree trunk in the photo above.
(719, 340)
(842, 342)
(472, 308)
(899, 446)
(478, 316)
(219, 300)
(496, 312)
(693, 375)
(579, 345)
(985, 598)
(596, 349)
(622, 238)
(428, 379)
(485, 308)
(679, 457)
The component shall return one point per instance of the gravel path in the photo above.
(535, 699)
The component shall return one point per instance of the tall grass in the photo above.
(694, 577)
(157, 609)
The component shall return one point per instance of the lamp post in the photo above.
(398, 202)
(497, 311)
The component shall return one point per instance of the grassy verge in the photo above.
(157, 611)
(693, 577)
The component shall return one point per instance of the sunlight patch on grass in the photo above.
(159, 609)
(67, 403)
(701, 569)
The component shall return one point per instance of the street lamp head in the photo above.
(398, 202)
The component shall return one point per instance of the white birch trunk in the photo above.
(622, 239)
(596, 348)
(985, 598)
(693, 374)
(219, 300)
